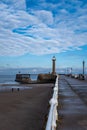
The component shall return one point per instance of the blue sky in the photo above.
(33, 31)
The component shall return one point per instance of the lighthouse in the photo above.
(53, 65)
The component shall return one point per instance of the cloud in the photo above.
(46, 17)
(14, 4)
(41, 31)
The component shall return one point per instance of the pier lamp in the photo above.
(83, 67)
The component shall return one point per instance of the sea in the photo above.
(10, 79)
(7, 82)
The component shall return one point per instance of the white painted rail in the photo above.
(53, 114)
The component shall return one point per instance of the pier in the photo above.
(72, 104)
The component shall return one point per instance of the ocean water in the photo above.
(7, 83)
(10, 79)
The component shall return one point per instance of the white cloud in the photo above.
(45, 16)
(38, 31)
(15, 4)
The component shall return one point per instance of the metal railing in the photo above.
(53, 114)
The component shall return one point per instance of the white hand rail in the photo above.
(53, 115)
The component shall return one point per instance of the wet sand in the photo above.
(25, 109)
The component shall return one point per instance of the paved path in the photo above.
(79, 87)
(72, 106)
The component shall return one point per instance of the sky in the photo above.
(33, 31)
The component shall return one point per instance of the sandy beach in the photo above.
(25, 109)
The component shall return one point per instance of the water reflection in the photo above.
(8, 87)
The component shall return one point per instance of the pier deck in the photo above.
(72, 104)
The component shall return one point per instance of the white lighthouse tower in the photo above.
(53, 65)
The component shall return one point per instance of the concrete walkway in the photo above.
(72, 108)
